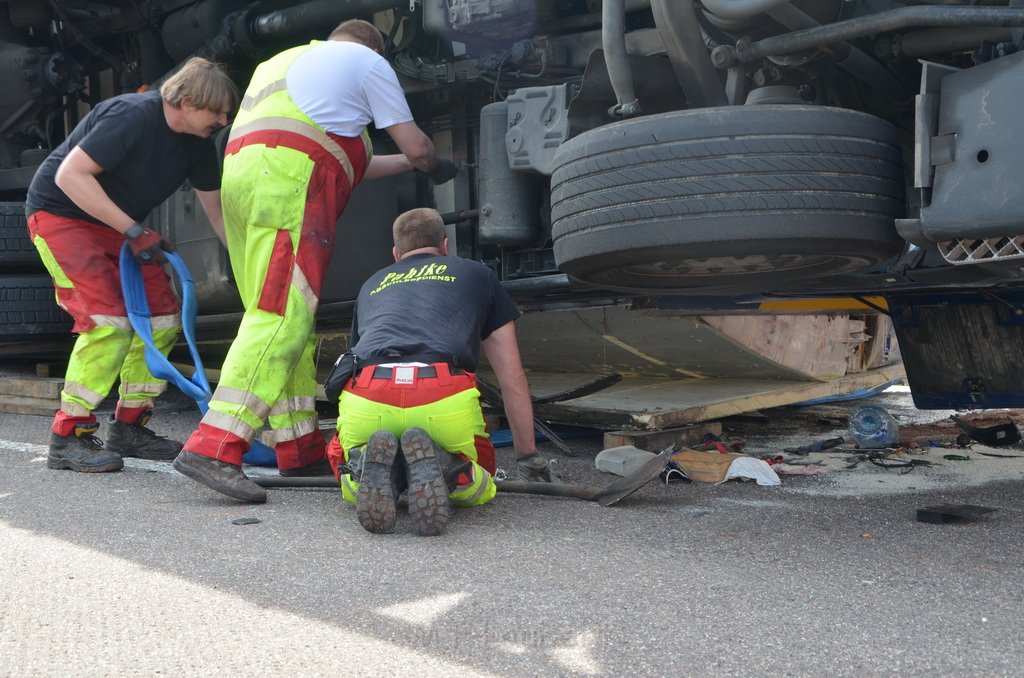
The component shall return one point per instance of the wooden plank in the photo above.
(656, 441)
(51, 369)
(10, 404)
(647, 404)
(32, 387)
(813, 346)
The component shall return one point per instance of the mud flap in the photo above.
(962, 349)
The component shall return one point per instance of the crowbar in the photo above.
(605, 496)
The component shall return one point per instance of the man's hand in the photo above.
(444, 172)
(147, 245)
(535, 469)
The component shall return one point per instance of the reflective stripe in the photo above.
(249, 102)
(154, 387)
(293, 404)
(139, 404)
(74, 409)
(60, 279)
(349, 488)
(83, 393)
(305, 291)
(279, 123)
(480, 478)
(225, 422)
(120, 322)
(165, 322)
(250, 401)
(293, 432)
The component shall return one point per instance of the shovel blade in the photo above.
(627, 485)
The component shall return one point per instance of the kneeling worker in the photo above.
(410, 417)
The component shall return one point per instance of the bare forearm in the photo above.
(388, 165)
(85, 191)
(210, 200)
(502, 351)
(519, 412)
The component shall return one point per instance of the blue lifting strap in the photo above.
(197, 387)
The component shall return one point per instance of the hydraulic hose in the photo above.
(892, 20)
(313, 16)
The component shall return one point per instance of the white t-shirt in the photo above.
(343, 86)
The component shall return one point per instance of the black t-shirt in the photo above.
(143, 160)
(430, 304)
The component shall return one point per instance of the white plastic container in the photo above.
(621, 460)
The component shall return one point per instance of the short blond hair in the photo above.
(357, 30)
(418, 228)
(202, 81)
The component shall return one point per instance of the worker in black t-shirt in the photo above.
(129, 154)
(418, 330)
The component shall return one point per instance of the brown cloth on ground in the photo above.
(705, 467)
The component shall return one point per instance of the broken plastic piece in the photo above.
(994, 436)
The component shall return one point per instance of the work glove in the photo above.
(535, 469)
(444, 172)
(147, 245)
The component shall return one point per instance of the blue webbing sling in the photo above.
(197, 387)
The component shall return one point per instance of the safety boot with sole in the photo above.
(428, 489)
(220, 476)
(82, 451)
(135, 440)
(375, 499)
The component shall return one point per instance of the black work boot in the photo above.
(220, 476)
(135, 440)
(82, 451)
(375, 499)
(428, 486)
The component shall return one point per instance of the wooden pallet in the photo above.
(30, 395)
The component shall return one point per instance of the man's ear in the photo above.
(394, 253)
(444, 246)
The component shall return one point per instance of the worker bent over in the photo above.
(409, 418)
(298, 148)
(86, 199)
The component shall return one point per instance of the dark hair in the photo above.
(418, 228)
(357, 30)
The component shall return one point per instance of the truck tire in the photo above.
(28, 308)
(16, 250)
(735, 199)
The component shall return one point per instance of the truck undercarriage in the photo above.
(672, 157)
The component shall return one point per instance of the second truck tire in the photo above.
(734, 200)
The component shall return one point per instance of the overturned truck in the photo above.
(763, 190)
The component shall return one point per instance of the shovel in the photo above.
(1000, 435)
(605, 496)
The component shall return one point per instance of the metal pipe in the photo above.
(545, 284)
(847, 57)
(961, 17)
(460, 216)
(930, 41)
(613, 41)
(740, 9)
(680, 32)
(313, 16)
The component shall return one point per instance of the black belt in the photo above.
(382, 372)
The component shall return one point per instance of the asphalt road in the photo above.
(143, 572)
